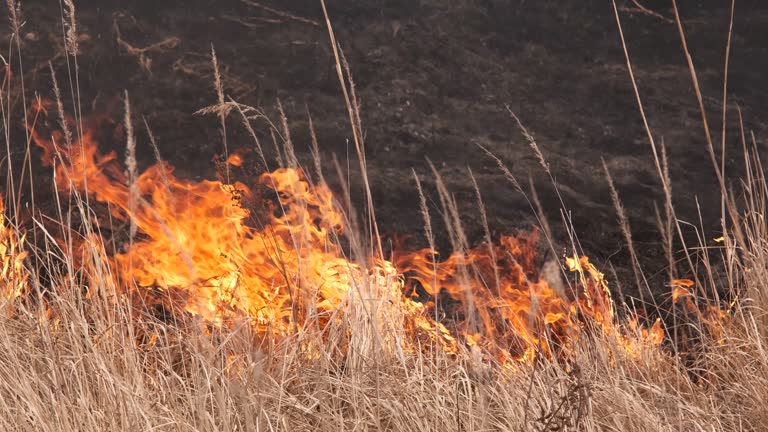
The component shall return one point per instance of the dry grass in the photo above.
(78, 354)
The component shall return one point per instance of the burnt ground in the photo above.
(433, 79)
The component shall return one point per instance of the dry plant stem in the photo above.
(700, 100)
(252, 134)
(63, 123)
(290, 153)
(429, 234)
(315, 149)
(141, 53)
(458, 241)
(13, 13)
(724, 203)
(219, 86)
(668, 212)
(72, 49)
(130, 163)
(156, 151)
(642, 283)
(719, 169)
(282, 14)
(665, 184)
(644, 10)
(354, 121)
(567, 221)
(537, 211)
(705, 257)
(539, 208)
(725, 90)
(486, 230)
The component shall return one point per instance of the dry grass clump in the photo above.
(91, 364)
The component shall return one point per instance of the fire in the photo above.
(235, 160)
(681, 288)
(223, 251)
(710, 318)
(13, 274)
(517, 315)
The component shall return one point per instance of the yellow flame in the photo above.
(13, 275)
(222, 251)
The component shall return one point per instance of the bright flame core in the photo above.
(13, 274)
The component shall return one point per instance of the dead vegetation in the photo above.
(87, 345)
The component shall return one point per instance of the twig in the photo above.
(281, 13)
(639, 8)
(141, 53)
(250, 24)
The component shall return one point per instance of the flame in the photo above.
(520, 313)
(709, 317)
(680, 288)
(13, 274)
(235, 160)
(222, 251)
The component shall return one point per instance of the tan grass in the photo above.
(77, 354)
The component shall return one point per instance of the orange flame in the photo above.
(235, 160)
(13, 274)
(708, 316)
(200, 247)
(680, 288)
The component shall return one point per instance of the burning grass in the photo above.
(151, 302)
